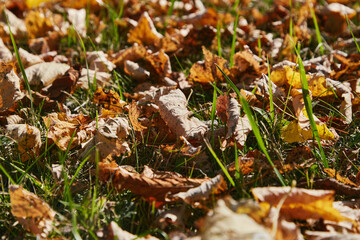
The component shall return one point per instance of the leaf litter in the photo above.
(128, 102)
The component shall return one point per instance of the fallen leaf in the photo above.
(27, 138)
(135, 71)
(33, 213)
(103, 79)
(109, 100)
(172, 108)
(223, 223)
(44, 74)
(300, 203)
(115, 232)
(61, 129)
(109, 140)
(5, 53)
(10, 91)
(133, 116)
(194, 196)
(151, 186)
(98, 61)
(145, 32)
(78, 19)
(206, 71)
(334, 174)
(29, 59)
(37, 24)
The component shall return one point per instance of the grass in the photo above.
(318, 34)
(86, 213)
(308, 106)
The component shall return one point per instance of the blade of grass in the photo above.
(272, 112)
(219, 162)
(318, 34)
(213, 112)
(254, 126)
(233, 43)
(91, 87)
(22, 69)
(308, 107)
(352, 34)
(218, 36)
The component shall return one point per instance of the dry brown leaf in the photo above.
(135, 71)
(115, 232)
(5, 53)
(103, 79)
(61, 128)
(224, 223)
(246, 61)
(109, 140)
(335, 17)
(33, 213)
(133, 54)
(98, 61)
(109, 100)
(152, 185)
(194, 196)
(78, 20)
(29, 59)
(133, 116)
(173, 110)
(10, 87)
(17, 26)
(28, 139)
(44, 74)
(300, 203)
(206, 71)
(37, 24)
(145, 32)
(63, 85)
(334, 174)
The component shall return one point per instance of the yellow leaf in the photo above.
(35, 3)
(293, 133)
(37, 24)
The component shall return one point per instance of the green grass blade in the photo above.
(218, 36)
(272, 112)
(318, 34)
(308, 107)
(352, 34)
(22, 69)
(219, 162)
(233, 43)
(254, 126)
(213, 112)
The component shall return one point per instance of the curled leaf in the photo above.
(27, 138)
(172, 107)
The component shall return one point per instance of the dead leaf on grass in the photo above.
(195, 196)
(10, 91)
(173, 110)
(27, 138)
(133, 116)
(109, 100)
(33, 213)
(300, 203)
(61, 128)
(145, 32)
(152, 185)
(37, 24)
(109, 140)
(206, 71)
(115, 232)
(44, 74)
